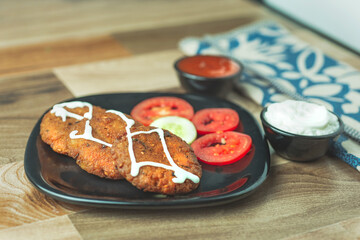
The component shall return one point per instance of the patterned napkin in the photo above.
(279, 66)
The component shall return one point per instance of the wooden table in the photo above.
(54, 50)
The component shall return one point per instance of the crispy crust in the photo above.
(91, 156)
(147, 147)
(115, 162)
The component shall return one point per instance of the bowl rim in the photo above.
(334, 134)
(202, 78)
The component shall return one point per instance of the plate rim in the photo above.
(40, 183)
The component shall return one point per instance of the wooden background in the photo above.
(56, 49)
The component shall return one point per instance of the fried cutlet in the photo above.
(91, 156)
(147, 147)
(114, 162)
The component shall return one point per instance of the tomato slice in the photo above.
(210, 120)
(222, 148)
(153, 108)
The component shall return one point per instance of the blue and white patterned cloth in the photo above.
(269, 50)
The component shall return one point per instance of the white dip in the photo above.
(301, 118)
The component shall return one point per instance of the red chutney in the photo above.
(209, 66)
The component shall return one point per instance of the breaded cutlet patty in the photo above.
(93, 157)
(148, 147)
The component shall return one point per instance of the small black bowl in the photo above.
(298, 147)
(210, 86)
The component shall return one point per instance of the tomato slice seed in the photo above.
(153, 108)
(222, 148)
(210, 120)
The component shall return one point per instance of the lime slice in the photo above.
(179, 126)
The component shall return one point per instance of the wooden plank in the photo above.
(348, 229)
(296, 198)
(21, 203)
(53, 54)
(139, 73)
(166, 38)
(43, 21)
(53, 229)
(22, 102)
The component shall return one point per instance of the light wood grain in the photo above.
(47, 55)
(22, 102)
(348, 229)
(140, 73)
(21, 203)
(165, 38)
(27, 22)
(296, 198)
(52, 229)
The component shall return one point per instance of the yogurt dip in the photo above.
(302, 118)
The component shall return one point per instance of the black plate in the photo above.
(59, 177)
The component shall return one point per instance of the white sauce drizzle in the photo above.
(60, 111)
(88, 135)
(180, 174)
